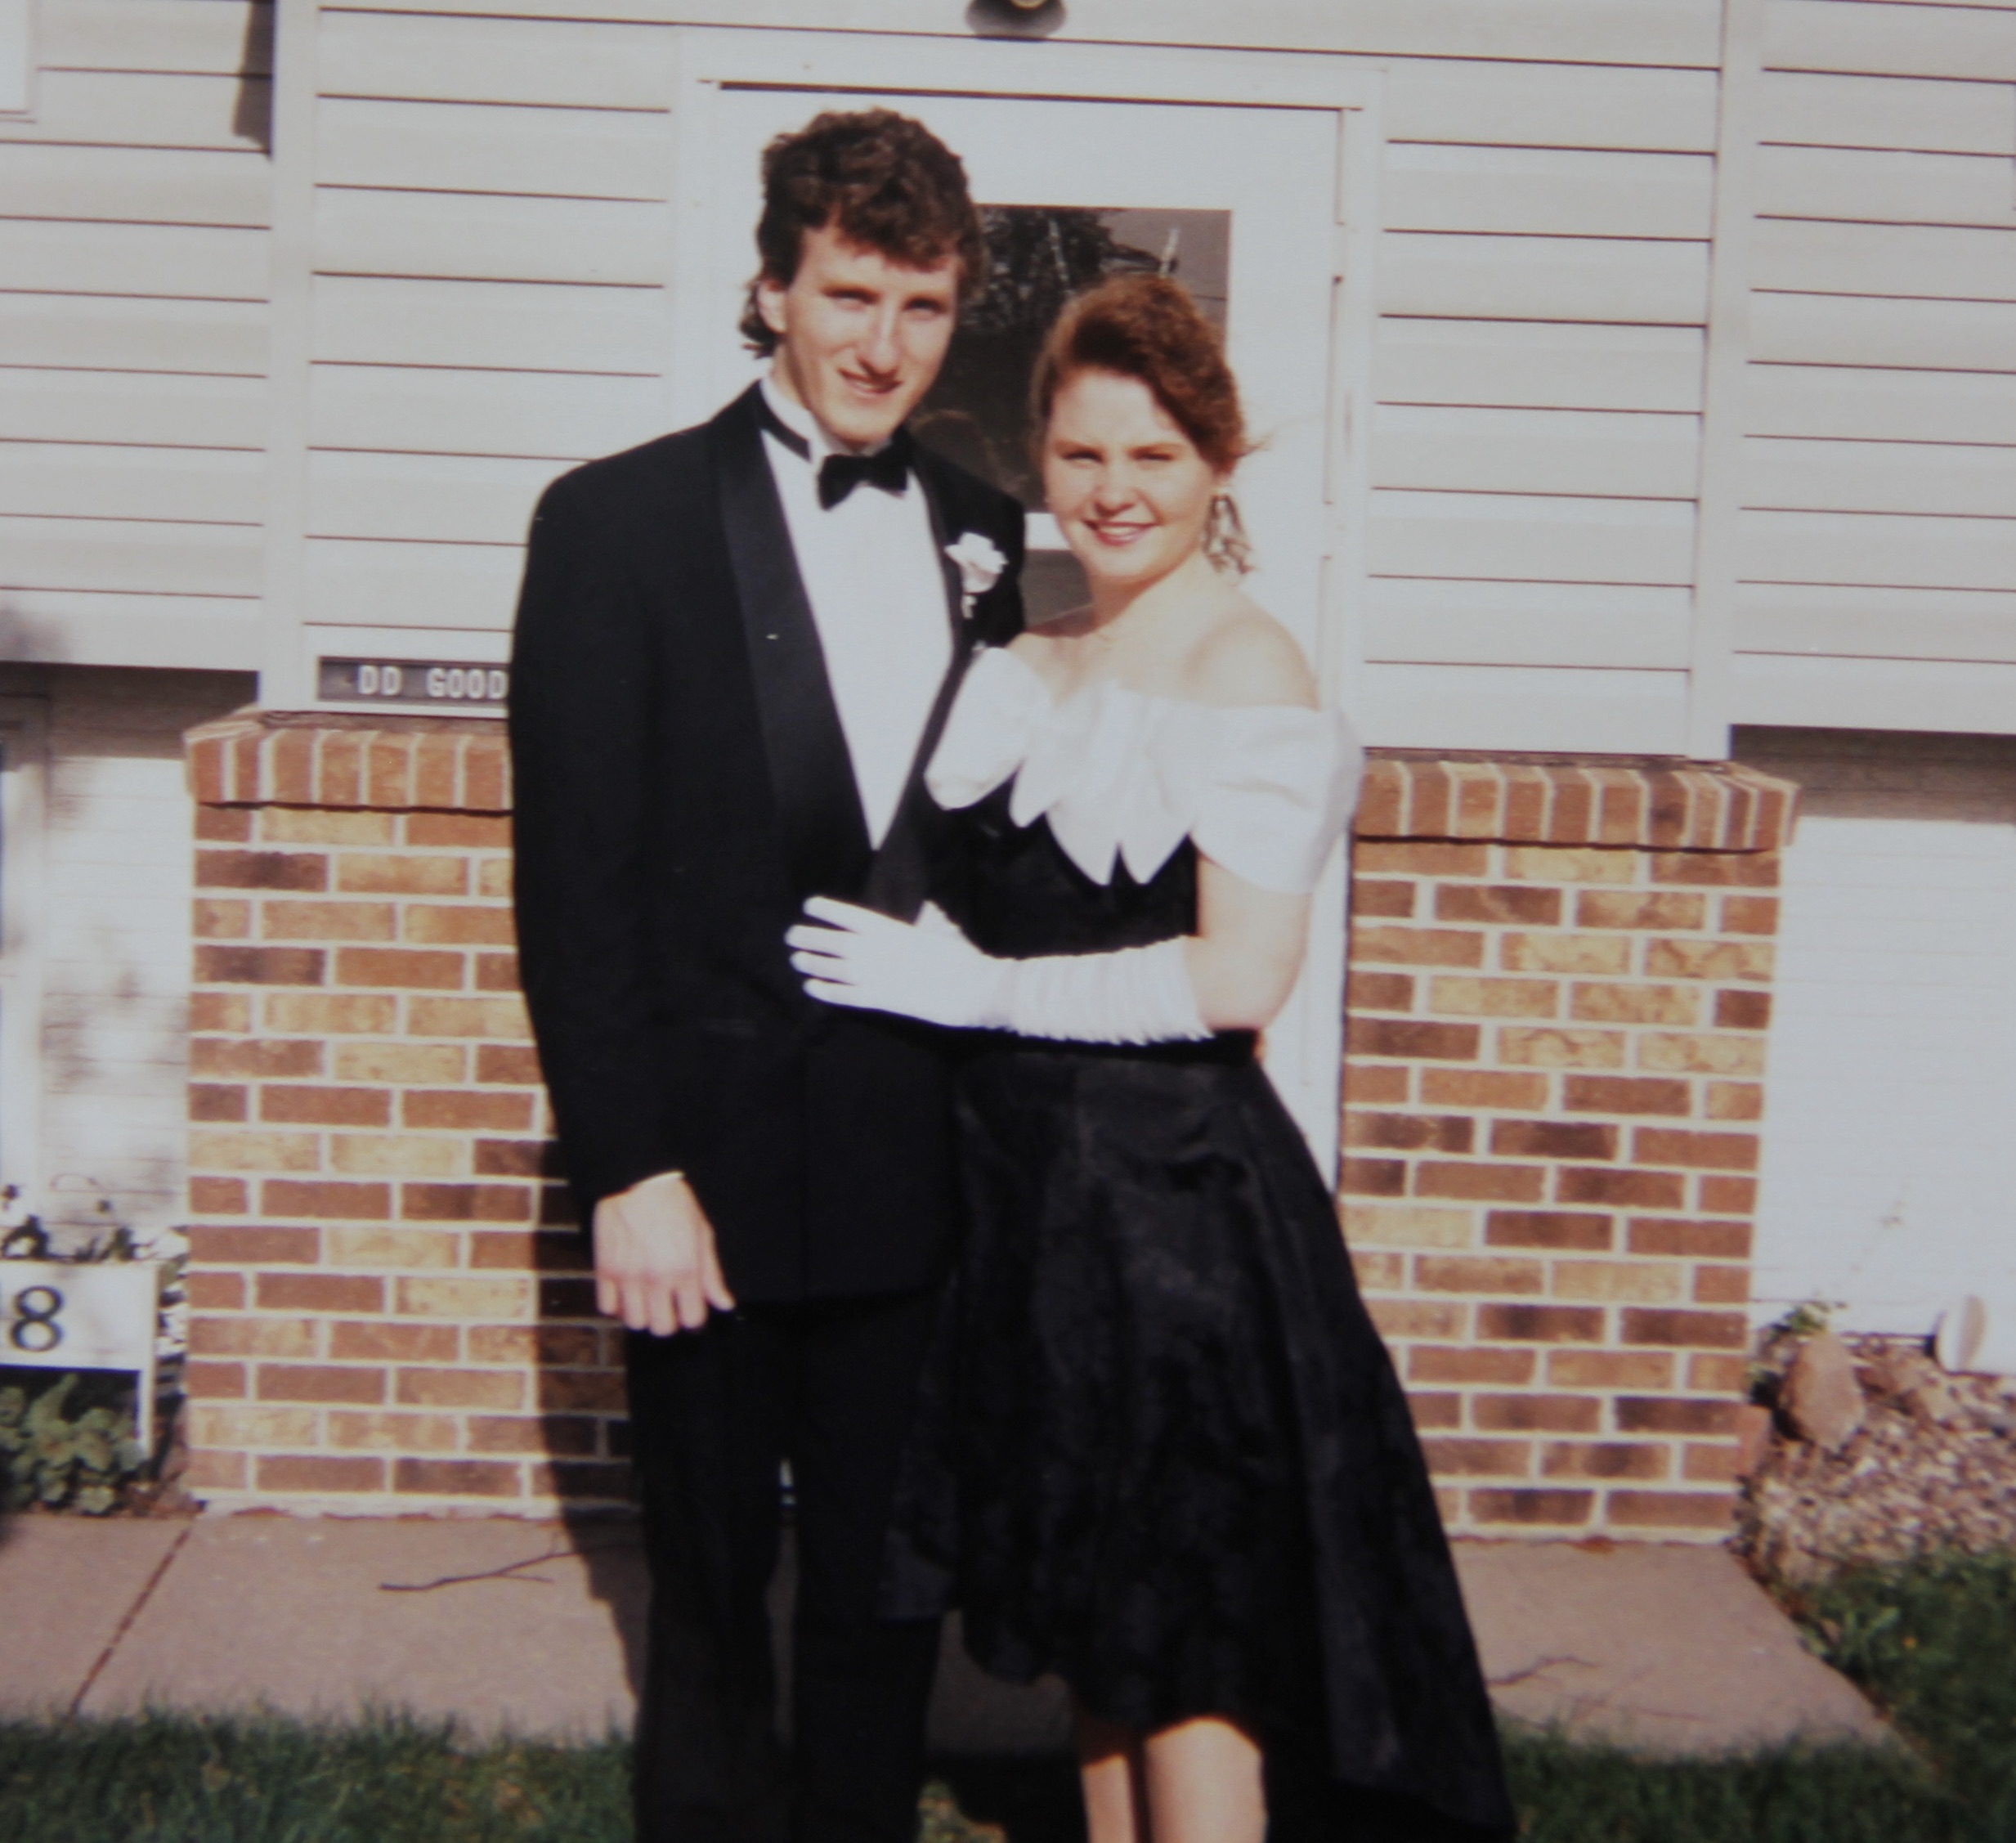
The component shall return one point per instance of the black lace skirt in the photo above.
(1161, 1450)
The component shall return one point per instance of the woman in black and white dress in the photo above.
(1161, 1450)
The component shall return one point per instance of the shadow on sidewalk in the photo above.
(610, 1547)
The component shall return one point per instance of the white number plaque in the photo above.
(53, 1316)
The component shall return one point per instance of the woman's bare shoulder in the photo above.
(1247, 657)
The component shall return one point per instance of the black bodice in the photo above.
(1016, 893)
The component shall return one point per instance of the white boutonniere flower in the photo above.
(980, 566)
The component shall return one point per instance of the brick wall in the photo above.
(1559, 992)
(388, 1310)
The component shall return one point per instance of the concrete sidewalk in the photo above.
(537, 1628)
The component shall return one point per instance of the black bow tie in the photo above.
(888, 468)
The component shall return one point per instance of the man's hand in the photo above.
(656, 1265)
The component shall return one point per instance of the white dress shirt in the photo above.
(872, 572)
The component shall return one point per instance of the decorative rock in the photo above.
(1906, 1485)
(1932, 1399)
(1822, 1399)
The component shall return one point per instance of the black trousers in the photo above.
(829, 1386)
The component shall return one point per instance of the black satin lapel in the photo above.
(899, 880)
(941, 535)
(824, 832)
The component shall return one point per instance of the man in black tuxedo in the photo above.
(735, 648)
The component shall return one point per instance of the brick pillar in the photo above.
(387, 1308)
(1560, 988)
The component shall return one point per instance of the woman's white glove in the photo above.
(930, 971)
(870, 962)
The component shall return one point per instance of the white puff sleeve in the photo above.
(1272, 789)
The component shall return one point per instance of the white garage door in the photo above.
(1890, 1166)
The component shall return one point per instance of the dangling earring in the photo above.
(1226, 542)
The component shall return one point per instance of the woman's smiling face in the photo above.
(1127, 486)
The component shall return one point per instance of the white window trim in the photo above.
(23, 781)
(17, 57)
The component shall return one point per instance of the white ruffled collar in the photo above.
(1125, 776)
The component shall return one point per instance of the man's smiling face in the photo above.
(861, 338)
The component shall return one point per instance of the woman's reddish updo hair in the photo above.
(1147, 326)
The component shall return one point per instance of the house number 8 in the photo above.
(35, 1327)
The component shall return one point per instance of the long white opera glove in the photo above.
(929, 969)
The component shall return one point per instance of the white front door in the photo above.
(1241, 202)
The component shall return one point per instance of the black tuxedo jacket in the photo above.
(681, 783)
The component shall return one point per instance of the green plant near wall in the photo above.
(64, 1463)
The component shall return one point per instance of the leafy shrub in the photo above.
(62, 1462)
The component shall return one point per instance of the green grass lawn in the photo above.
(1934, 1645)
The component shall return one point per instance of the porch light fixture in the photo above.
(1018, 13)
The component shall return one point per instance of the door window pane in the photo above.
(1038, 257)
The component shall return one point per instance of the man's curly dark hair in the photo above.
(883, 181)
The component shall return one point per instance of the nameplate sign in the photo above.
(437, 684)
(97, 1316)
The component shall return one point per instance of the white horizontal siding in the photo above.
(1610, 279)
(1466, 101)
(412, 584)
(1538, 365)
(1926, 478)
(1866, 404)
(131, 184)
(131, 557)
(1904, 552)
(458, 498)
(95, 627)
(1970, 335)
(150, 410)
(205, 37)
(1577, 451)
(145, 108)
(1433, 620)
(452, 236)
(531, 152)
(1924, 260)
(1878, 470)
(1679, 32)
(1547, 191)
(104, 480)
(134, 272)
(530, 415)
(157, 260)
(1524, 708)
(1859, 620)
(602, 64)
(1511, 535)
(587, 64)
(1863, 36)
(107, 333)
(1887, 690)
(1861, 184)
(1834, 110)
(489, 325)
